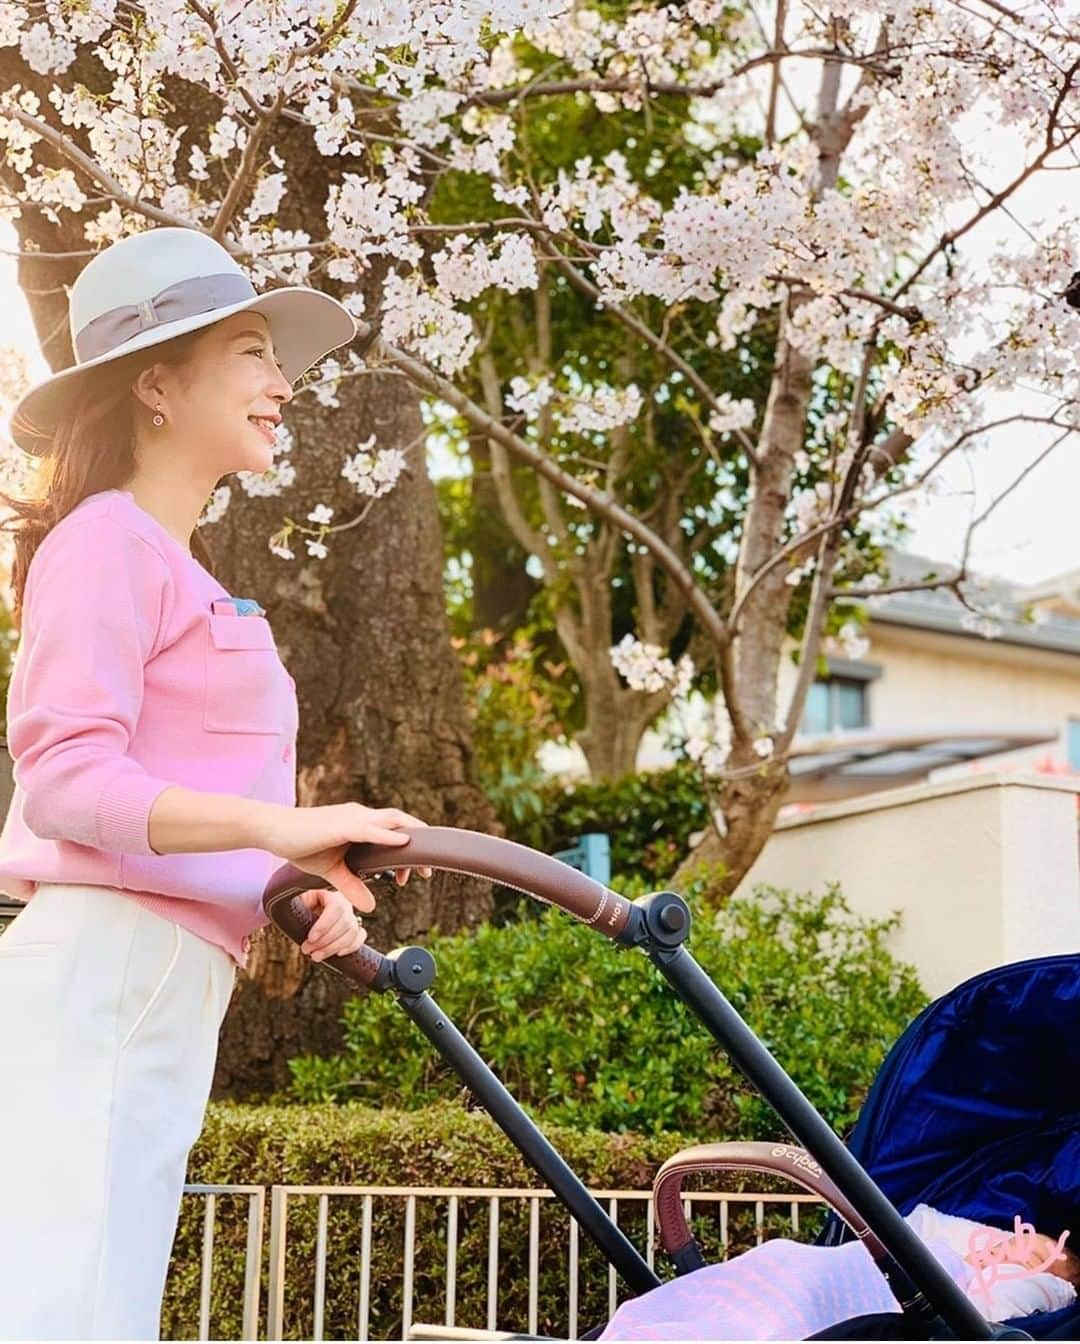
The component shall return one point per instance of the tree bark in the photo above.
(364, 633)
(617, 723)
(750, 805)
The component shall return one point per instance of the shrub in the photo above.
(585, 1033)
(516, 698)
(442, 1145)
(649, 817)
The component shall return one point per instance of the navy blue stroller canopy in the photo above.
(976, 1109)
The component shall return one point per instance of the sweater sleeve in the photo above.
(96, 598)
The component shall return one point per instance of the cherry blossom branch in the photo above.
(226, 60)
(909, 312)
(91, 168)
(245, 173)
(557, 88)
(598, 501)
(1050, 148)
(645, 333)
(324, 40)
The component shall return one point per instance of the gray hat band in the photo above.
(187, 298)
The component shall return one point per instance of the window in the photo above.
(837, 702)
(1073, 744)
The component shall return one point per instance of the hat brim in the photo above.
(305, 325)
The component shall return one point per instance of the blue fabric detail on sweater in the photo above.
(245, 606)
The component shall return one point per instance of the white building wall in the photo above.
(929, 679)
(983, 871)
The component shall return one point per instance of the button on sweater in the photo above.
(134, 672)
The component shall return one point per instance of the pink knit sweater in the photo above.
(132, 675)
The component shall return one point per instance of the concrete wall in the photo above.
(984, 869)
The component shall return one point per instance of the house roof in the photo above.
(864, 760)
(1010, 608)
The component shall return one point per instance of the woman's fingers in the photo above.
(337, 931)
(386, 835)
(358, 894)
(326, 925)
(402, 875)
(401, 818)
(346, 938)
(354, 889)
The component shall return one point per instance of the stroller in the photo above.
(987, 1065)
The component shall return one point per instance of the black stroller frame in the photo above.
(658, 924)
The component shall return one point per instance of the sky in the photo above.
(1032, 536)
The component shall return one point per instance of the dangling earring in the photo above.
(159, 419)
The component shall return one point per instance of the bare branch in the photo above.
(1000, 499)
(954, 581)
(860, 505)
(540, 363)
(528, 536)
(774, 80)
(812, 634)
(888, 590)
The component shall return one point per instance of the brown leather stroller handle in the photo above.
(457, 851)
(776, 1159)
(281, 902)
(476, 855)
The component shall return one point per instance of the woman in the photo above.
(152, 727)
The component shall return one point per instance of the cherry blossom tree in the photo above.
(838, 188)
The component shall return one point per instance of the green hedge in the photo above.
(441, 1145)
(586, 1033)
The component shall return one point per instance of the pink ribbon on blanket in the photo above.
(989, 1252)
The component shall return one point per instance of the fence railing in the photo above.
(444, 1211)
(253, 1252)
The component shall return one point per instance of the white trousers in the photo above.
(109, 1021)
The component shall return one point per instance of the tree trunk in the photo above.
(749, 805)
(617, 722)
(364, 633)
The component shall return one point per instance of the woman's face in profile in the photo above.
(225, 399)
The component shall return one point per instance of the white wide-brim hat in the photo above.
(148, 288)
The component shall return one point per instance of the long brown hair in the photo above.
(91, 449)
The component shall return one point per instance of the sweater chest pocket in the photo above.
(243, 676)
